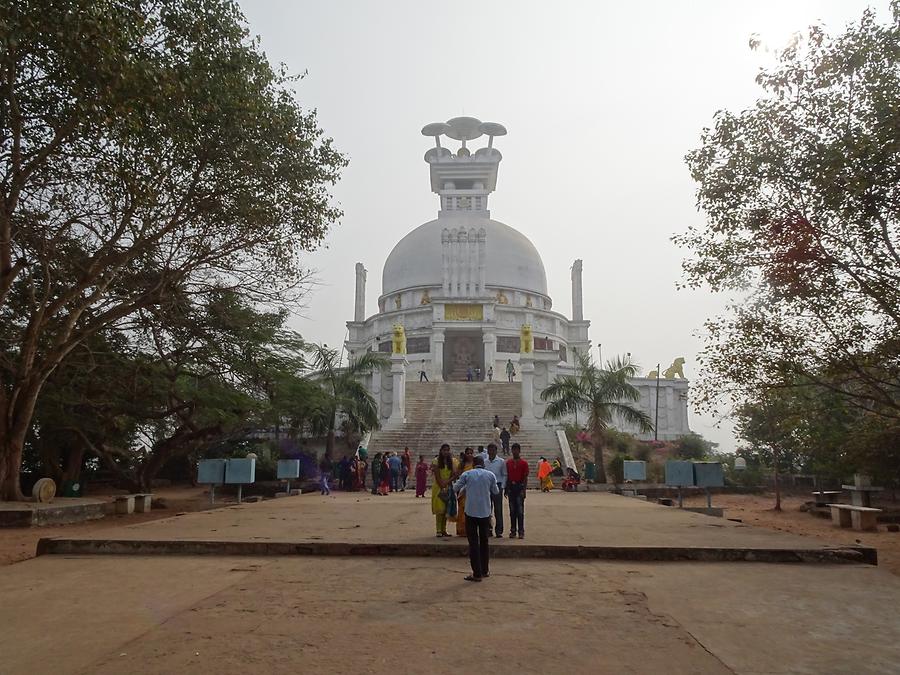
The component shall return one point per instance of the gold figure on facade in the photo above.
(397, 302)
(426, 298)
(526, 338)
(501, 298)
(398, 339)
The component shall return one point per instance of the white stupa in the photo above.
(463, 285)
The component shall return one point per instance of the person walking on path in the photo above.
(478, 486)
(516, 482)
(421, 476)
(443, 469)
(490, 373)
(325, 467)
(510, 370)
(394, 463)
(496, 466)
(405, 468)
(543, 474)
(423, 376)
(504, 441)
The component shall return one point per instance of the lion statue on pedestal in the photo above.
(527, 339)
(676, 370)
(398, 340)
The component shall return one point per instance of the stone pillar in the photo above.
(398, 375)
(473, 263)
(526, 366)
(482, 261)
(454, 262)
(445, 261)
(489, 339)
(437, 361)
(577, 294)
(359, 308)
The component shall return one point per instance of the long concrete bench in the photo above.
(822, 497)
(857, 517)
(136, 503)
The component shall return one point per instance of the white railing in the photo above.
(566, 450)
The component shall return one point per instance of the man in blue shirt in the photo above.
(479, 485)
(394, 463)
(496, 466)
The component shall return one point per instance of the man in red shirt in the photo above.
(516, 482)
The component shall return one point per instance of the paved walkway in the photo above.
(121, 615)
(557, 518)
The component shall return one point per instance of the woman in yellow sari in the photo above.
(468, 463)
(544, 471)
(443, 470)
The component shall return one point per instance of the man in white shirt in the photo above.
(496, 466)
(479, 485)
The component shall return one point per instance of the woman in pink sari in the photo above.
(421, 476)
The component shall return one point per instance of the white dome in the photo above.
(512, 260)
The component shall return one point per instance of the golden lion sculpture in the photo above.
(398, 340)
(676, 370)
(527, 339)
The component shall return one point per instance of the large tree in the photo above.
(147, 148)
(802, 198)
(605, 394)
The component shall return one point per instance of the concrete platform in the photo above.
(61, 511)
(558, 525)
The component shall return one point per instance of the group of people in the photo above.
(473, 373)
(470, 491)
(502, 435)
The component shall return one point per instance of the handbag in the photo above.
(452, 508)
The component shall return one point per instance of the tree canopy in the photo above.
(149, 154)
(802, 198)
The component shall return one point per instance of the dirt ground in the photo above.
(19, 543)
(758, 510)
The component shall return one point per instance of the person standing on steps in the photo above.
(510, 370)
(496, 421)
(469, 374)
(423, 376)
(490, 373)
(478, 373)
(477, 486)
(504, 440)
(496, 466)
(516, 483)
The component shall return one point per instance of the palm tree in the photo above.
(604, 393)
(344, 391)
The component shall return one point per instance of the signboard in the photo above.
(211, 471)
(679, 474)
(708, 474)
(288, 468)
(240, 471)
(634, 470)
(463, 312)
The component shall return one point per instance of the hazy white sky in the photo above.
(602, 101)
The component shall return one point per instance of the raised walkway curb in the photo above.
(835, 555)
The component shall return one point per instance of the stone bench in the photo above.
(857, 517)
(823, 497)
(136, 503)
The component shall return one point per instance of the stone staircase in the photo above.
(460, 413)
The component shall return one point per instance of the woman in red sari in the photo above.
(421, 476)
(385, 485)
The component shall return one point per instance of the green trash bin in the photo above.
(590, 472)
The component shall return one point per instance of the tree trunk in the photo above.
(329, 444)
(775, 454)
(11, 447)
(597, 440)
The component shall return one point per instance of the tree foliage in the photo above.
(148, 153)
(604, 393)
(802, 198)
